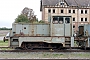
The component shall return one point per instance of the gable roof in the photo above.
(49, 2)
(69, 2)
(83, 2)
(78, 3)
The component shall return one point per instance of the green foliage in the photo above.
(36, 19)
(21, 18)
(4, 28)
(2, 43)
(41, 21)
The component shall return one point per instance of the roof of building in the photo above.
(69, 2)
(79, 3)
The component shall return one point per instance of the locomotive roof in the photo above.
(31, 23)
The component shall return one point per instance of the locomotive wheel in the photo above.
(40, 45)
(29, 46)
(26, 46)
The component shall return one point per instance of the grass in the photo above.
(47, 55)
(2, 43)
(75, 44)
(5, 45)
(66, 55)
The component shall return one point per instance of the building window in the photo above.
(49, 10)
(73, 26)
(61, 3)
(61, 11)
(85, 11)
(85, 19)
(53, 10)
(81, 11)
(81, 19)
(73, 11)
(69, 11)
(73, 19)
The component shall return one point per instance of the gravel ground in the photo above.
(1, 38)
(45, 55)
(3, 33)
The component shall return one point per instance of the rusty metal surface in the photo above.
(89, 42)
(68, 30)
(87, 28)
(61, 26)
(31, 29)
(57, 30)
(80, 39)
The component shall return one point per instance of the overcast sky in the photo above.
(10, 9)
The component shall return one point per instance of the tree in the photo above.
(21, 18)
(4, 28)
(29, 13)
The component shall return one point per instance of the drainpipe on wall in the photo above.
(89, 16)
(78, 18)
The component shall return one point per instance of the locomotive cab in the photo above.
(61, 27)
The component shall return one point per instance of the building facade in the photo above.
(79, 10)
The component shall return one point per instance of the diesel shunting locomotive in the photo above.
(55, 34)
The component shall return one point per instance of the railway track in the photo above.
(64, 49)
(44, 59)
(69, 50)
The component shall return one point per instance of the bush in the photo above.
(21, 18)
(41, 21)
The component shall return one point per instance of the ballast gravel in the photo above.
(44, 55)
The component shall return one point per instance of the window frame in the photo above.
(69, 11)
(81, 11)
(81, 19)
(85, 19)
(61, 3)
(53, 10)
(73, 26)
(49, 10)
(73, 18)
(85, 11)
(73, 11)
(67, 20)
(62, 11)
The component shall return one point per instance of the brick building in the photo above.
(79, 10)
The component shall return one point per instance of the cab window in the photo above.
(67, 20)
(55, 20)
(61, 20)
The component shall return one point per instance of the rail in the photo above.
(44, 59)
